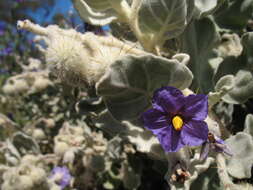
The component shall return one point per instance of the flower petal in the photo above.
(194, 133)
(168, 98)
(170, 139)
(196, 107)
(204, 151)
(65, 176)
(154, 119)
(218, 140)
(65, 181)
(56, 170)
(222, 148)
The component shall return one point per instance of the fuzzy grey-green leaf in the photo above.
(248, 125)
(242, 89)
(132, 80)
(247, 42)
(161, 17)
(241, 67)
(25, 144)
(198, 41)
(222, 87)
(144, 140)
(235, 14)
(107, 123)
(95, 12)
(205, 6)
(239, 165)
(225, 83)
(131, 179)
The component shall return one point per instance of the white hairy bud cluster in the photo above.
(38, 134)
(28, 175)
(60, 148)
(79, 59)
(72, 139)
(94, 153)
(69, 140)
(30, 82)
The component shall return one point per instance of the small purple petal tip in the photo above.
(61, 176)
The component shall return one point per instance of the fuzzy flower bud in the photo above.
(60, 148)
(30, 82)
(38, 134)
(79, 59)
(28, 175)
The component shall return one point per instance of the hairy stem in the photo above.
(133, 20)
(34, 28)
(223, 130)
(130, 15)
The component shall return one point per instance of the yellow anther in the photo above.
(177, 123)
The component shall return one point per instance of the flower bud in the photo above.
(15, 85)
(79, 59)
(60, 148)
(38, 175)
(24, 182)
(38, 134)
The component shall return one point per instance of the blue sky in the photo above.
(42, 15)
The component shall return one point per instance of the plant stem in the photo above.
(34, 28)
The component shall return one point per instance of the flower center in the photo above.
(177, 123)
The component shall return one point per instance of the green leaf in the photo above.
(131, 179)
(97, 163)
(208, 180)
(129, 83)
(198, 41)
(166, 19)
(247, 43)
(234, 14)
(230, 65)
(114, 147)
(25, 144)
(248, 125)
(241, 68)
(239, 165)
(243, 88)
(108, 185)
(205, 6)
(7, 127)
(107, 123)
(225, 84)
(184, 159)
(96, 12)
(144, 140)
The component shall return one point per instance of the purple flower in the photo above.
(2, 28)
(61, 176)
(6, 51)
(177, 120)
(215, 144)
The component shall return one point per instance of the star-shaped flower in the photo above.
(177, 120)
